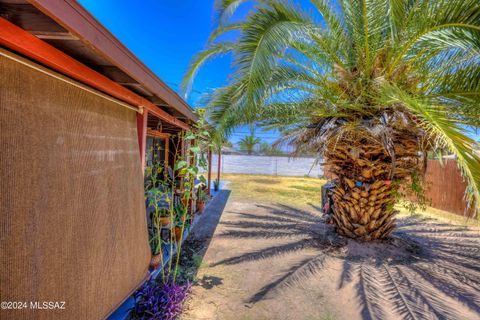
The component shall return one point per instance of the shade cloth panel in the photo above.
(73, 223)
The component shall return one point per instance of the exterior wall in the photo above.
(73, 224)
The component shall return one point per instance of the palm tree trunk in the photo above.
(365, 194)
(364, 212)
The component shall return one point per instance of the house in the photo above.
(77, 113)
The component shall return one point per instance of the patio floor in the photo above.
(272, 261)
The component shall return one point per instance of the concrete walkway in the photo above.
(270, 261)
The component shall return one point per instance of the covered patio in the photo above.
(79, 110)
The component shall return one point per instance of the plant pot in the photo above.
(200, 206)
(164, 221)
(155, 261)
(177, 233)
(183, 218)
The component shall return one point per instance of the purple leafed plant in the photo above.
(158, 300)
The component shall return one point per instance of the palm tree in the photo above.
(269, 150)
(372, 87)
(248, 143)
(265, 148)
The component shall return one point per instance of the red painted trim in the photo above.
(21, 41)
(142, 136)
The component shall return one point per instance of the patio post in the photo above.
(209, 171)
(219, 164)
(142, 135)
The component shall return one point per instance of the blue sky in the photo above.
(165, 35)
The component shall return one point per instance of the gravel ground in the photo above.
(266, 260)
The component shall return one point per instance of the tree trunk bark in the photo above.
(364, 211)
(368, 180)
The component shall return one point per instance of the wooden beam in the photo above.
(158, 134)
(54, 35)
(116, 75)
(23, 42)
(154, 110)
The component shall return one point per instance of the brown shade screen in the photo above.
(72, 224)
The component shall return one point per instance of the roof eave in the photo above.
(77, 20)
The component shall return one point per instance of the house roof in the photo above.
(70, 28)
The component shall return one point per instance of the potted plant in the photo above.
(182, 219)
(154, 232)
(202, 197)
(177, 233)
(216, 185)
(164, 217)
(155, 261)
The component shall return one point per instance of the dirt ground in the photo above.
(267, 260)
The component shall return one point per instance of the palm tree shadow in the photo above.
(418, 273)
(198, 241)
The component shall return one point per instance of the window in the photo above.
(157, 151)
(157, 148)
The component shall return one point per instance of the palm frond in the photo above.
(266, 34)
(225, 9)
(214, 50)
(222, 29)
(448, 134)
(365, 60)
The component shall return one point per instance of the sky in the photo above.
(166, 34)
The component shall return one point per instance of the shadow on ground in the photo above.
(416, 274)
(199, 239)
